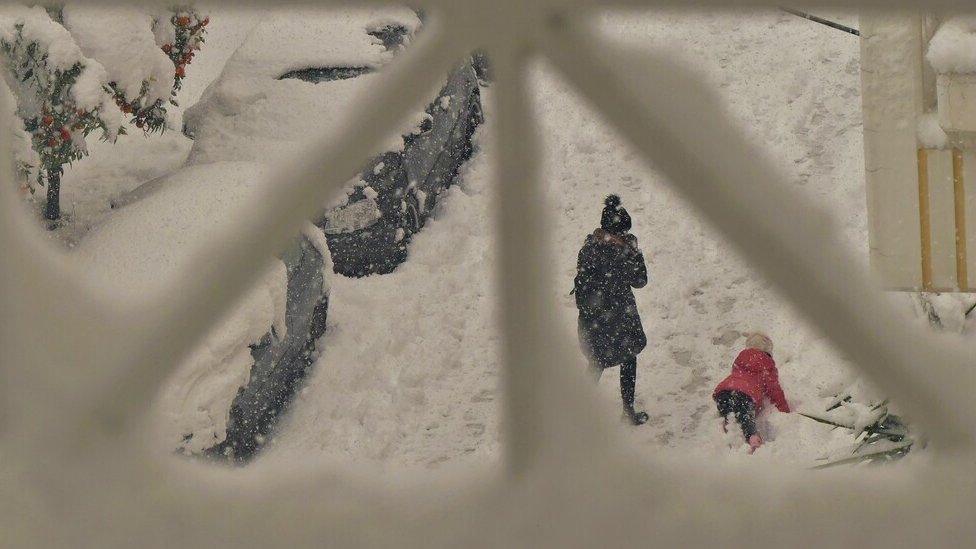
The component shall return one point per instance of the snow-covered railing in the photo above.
(919, 97)
(79, 370)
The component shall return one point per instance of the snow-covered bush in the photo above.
(145, 54)
(67, 66)
(180, 39)
(61, 96)
(879, 435)
(949, 312)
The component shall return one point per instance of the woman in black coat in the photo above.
(609, 265)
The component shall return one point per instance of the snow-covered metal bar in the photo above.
(541, 370)
(523, 227)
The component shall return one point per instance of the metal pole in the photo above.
(822, 21)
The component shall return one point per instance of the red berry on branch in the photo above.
(47, 120)
(52, 142)
(167, 48)
(65, 134)
(139, 123)
(180, 71)
(183, 21)
(206, 21)
(126, 109)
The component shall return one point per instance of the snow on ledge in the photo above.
(953, 48)
(930, 132)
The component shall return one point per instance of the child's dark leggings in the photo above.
(628, 380)
(740, 404)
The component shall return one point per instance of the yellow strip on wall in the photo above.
(959, 196)
(924, 219)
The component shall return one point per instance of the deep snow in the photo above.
(91, 186)
(141, 250)
(409, 366)
(416, 385)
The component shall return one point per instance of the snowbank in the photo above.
(409, 373)
(145, 246)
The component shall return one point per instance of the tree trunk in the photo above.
(53, 209)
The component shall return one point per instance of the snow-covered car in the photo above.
(291, 80)
(399, 189)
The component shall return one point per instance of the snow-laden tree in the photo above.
(78, 70)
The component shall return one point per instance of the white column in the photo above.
(892, 95)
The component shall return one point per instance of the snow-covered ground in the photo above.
(409, 365)
(141, 250)
(416, 385)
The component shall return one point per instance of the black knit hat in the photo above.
(615, 218)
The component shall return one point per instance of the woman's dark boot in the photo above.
(635, 417)
(628, 383)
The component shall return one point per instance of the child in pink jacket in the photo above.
(754, 378)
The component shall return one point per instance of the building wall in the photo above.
(892, 95)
